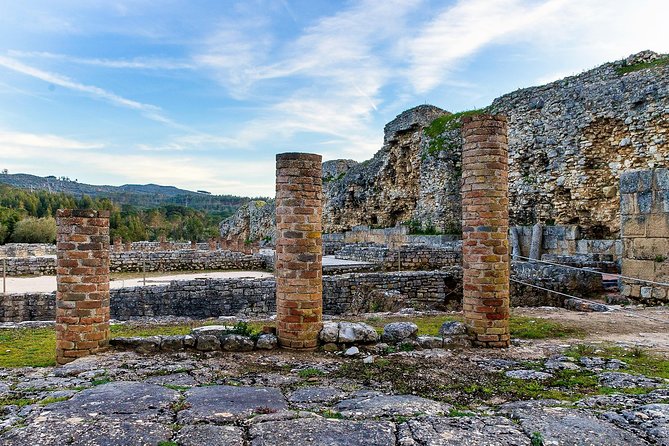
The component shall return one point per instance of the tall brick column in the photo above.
(82, 297)
(485, 225)
(298, 269)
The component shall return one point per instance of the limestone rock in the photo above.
(267, 341)
(373, 404)
(207, 343)
(450, 328)
(319, 431)
(225, 404)
(207, 434)
(399, 331)
(236, 343)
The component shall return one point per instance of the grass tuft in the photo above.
(642, 65)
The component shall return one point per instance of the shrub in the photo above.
(35, 230)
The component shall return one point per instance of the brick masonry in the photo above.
(485, 225)
(82, 296)
(299, 293)
(644, 214)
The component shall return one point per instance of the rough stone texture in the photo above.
(374, 404)
(410, 257)
(298, 268)
(253, 221)
(323, 432)
(462, 431)
(644, 209)
(225, 404)
(399, 331)
(208, 435)
(485, 225)
(569, 427)
(82, 297)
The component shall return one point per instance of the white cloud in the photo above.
(150, 111)
(142, 63)
(30, 140)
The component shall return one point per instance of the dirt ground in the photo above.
(648, 327)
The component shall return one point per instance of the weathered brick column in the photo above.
(82, 297)
(298, 270)
(485, 225)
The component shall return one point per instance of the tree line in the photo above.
(29, 217)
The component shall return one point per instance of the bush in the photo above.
(35, 230)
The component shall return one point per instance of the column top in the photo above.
(299, 156)
(82, 213)
(483, 117)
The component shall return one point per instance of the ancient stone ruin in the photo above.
(485, 224)
(82, 298)
(299, 285)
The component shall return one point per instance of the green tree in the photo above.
(35, 230)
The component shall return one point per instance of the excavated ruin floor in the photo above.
(427, 397)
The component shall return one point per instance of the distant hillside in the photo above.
(140, 195)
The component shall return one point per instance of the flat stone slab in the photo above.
(209, 435)
(461, 431)
(125, 399)
(323, 432)
(570, 427)
(619, 380)
(315, 395)
(652, 420)
(173, 379)
(88, 432)
(224, 404)
(528, 374)
(373, 404)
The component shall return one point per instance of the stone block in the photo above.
(657, 225)
(640, 269)
(661, 179)
(629, 182)
(633, 226)
(644, 202)
(628, 204)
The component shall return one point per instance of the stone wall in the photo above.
(566, 240)
(134, 261)
(27, 249)
(644, 209)
(341, 294)
(407, 257)
(202, 298)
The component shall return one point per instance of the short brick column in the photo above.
(485, 225)
(298, 269)
(82, 297)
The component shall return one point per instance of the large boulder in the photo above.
(399, 331)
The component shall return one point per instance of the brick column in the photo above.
(82, 297)
(485, 225)
(298, 270)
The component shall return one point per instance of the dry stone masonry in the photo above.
(485, 224)
(298, 269)
(82, 297)
(644, 209)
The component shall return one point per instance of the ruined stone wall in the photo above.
(407, 257)
(202, 298)
(134, 261)
(644, 209)
(27, 249)
(568, 142)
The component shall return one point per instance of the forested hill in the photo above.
(138, 195)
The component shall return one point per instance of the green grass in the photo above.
(639, 361)
(538, 328)
(444, 124)
(310, 373)
(28, 347)
(643, 65)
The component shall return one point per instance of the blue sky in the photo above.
(203, 94)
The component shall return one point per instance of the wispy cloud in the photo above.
(141, 63)
(31, 140)
(150, 111)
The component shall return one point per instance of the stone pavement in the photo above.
(276, 399)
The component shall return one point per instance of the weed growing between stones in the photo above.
(638, 360)
(445, 124)
(310, 373)
(537, 439)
